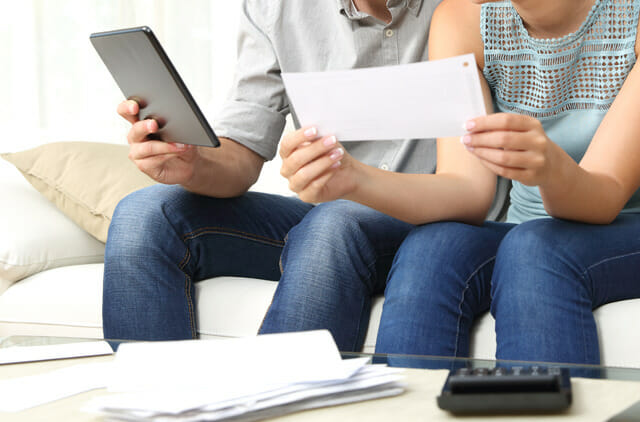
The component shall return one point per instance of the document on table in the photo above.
(247, 378)
(54, 351)
(419, 100)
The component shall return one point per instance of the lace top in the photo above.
(567, 83)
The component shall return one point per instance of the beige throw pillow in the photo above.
(84, 180)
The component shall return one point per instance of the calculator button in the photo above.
(464, 371)
(500, 371)
(481, 371)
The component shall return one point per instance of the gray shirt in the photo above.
(318, 35)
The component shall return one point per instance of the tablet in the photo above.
(144, 73)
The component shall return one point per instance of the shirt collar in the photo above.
(350, 10)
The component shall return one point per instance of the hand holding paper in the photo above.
(420, 100)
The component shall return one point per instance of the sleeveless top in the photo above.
(567, 83)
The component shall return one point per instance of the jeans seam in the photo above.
(464, 291)
(284, 242)
(584, 338)
(358, 332)
(187, 292)
(585, 273)
(231, 232)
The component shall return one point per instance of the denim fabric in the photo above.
(163, 238)
(334, 261)
(541, 280)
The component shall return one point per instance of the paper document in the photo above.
(419, 100)
(244, 379)
(54, 351)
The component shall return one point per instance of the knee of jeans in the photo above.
(427, 261)
(328, 226)
(436, 246)
(532, 258)
(530, 243)
(139, 219)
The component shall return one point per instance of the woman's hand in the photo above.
(513, 146)
(318, 168)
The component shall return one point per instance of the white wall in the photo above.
(53, 86)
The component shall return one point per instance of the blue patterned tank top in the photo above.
(567, 83)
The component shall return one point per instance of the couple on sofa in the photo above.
(381, 217)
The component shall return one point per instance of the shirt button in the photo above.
(389, 33)
(384, 166)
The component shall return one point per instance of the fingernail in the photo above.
(312, 131)
(331, 140)
(180, 146)
(150, 125)
(337, 153)
(336, 164)
(466, 139)
(132, 109)
(469, 124)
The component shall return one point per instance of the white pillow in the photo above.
(34, 234)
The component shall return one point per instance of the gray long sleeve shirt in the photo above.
(319, 35)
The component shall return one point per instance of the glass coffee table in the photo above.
(598, 392)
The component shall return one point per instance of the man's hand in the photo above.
(168, 163)
(318, 168)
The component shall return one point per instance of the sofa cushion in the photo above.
(67, 302)
(61, 302)
(220, 302)
(35, 235)
(85, 180)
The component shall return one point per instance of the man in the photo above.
(164, 238)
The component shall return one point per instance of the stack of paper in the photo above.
(244, 379)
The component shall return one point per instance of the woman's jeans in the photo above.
(162, 239)
(541, 280)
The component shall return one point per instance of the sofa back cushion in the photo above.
(65, 219)
(85, 180)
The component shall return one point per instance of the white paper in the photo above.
(249, 377)
(25, 392)
(54, 351)
(259, 362)
(419, 100)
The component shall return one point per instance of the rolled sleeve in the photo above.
(255, 112)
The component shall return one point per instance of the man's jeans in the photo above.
(162, 239)
(540, 280)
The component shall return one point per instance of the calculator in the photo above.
(514, 390)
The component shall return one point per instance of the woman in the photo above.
(567, 90)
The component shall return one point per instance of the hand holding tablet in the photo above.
(144, 73)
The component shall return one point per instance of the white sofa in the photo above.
(65, 300)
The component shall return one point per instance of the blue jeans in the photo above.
(541, 280)
(333, 262)
(162, 239)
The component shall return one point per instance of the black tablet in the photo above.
(145, 74)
